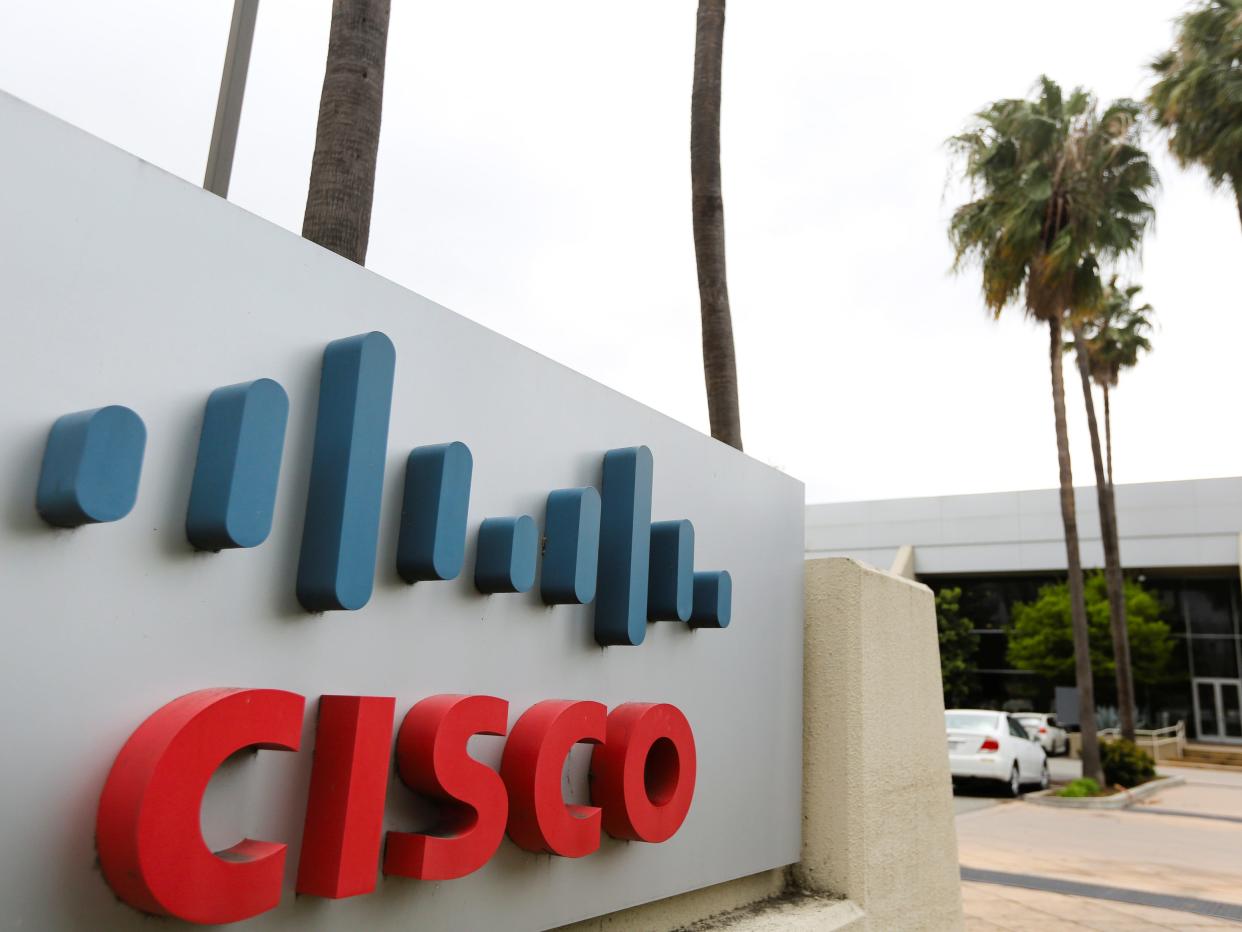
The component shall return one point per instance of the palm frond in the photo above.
(1057, 186)
(1115, 331)
(1197, 96)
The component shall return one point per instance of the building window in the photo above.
(1202, 611)
(1208, 607)
(1214, 657)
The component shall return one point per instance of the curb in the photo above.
(1122, 800)
(1200, 765)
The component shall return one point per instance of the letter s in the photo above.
(432, 760)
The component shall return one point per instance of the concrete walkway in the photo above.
(991, 908)
(1181, 849)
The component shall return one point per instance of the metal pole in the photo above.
(229, 104)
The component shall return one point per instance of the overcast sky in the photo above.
(534, 176)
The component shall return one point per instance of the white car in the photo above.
(985, 745)
(1043, 727)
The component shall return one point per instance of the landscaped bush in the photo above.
(1125, 763)
(1083, 786)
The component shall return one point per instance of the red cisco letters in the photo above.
(154, 857)
(432, 760)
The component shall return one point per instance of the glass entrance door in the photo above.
(1218, 709)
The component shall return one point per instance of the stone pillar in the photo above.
(877, 801)
(903, 562)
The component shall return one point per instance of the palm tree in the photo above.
(1114, 337)
(1056, 187)
(1098, 358)
(707, 210)
(1103, 319)
(1113, 582)
(1198, 93)
(342, 180)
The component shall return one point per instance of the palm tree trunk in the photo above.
(342, 180)
(1108, 434)
(1113, 582)
(1078, 611)
(707, 208)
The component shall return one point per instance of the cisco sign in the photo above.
(150, 844)
(599, 548)
(327, 608)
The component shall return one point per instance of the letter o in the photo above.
(643, 775)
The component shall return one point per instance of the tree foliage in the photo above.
(1041, 641)
(1197, 96)
(958, 643)
(1058, 186)
(1115, 332)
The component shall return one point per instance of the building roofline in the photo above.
(1023, 491)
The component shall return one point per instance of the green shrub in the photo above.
(1125, 763)
(1083, 786)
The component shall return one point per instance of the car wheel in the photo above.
(1045, 777)
(1014, 786)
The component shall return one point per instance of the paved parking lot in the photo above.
(1173, 861)
(981, 795)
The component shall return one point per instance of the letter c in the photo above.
(150, 842)
(532, 764)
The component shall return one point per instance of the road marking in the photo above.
(1184, 904)
(1185, 813)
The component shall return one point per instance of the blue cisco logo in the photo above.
(597, 546)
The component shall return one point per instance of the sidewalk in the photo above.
(1181, 848)
(991, 908)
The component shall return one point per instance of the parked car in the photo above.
(1043, 727)
(987, 745)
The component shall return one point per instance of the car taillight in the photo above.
(1043, 730)
(990, 744)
